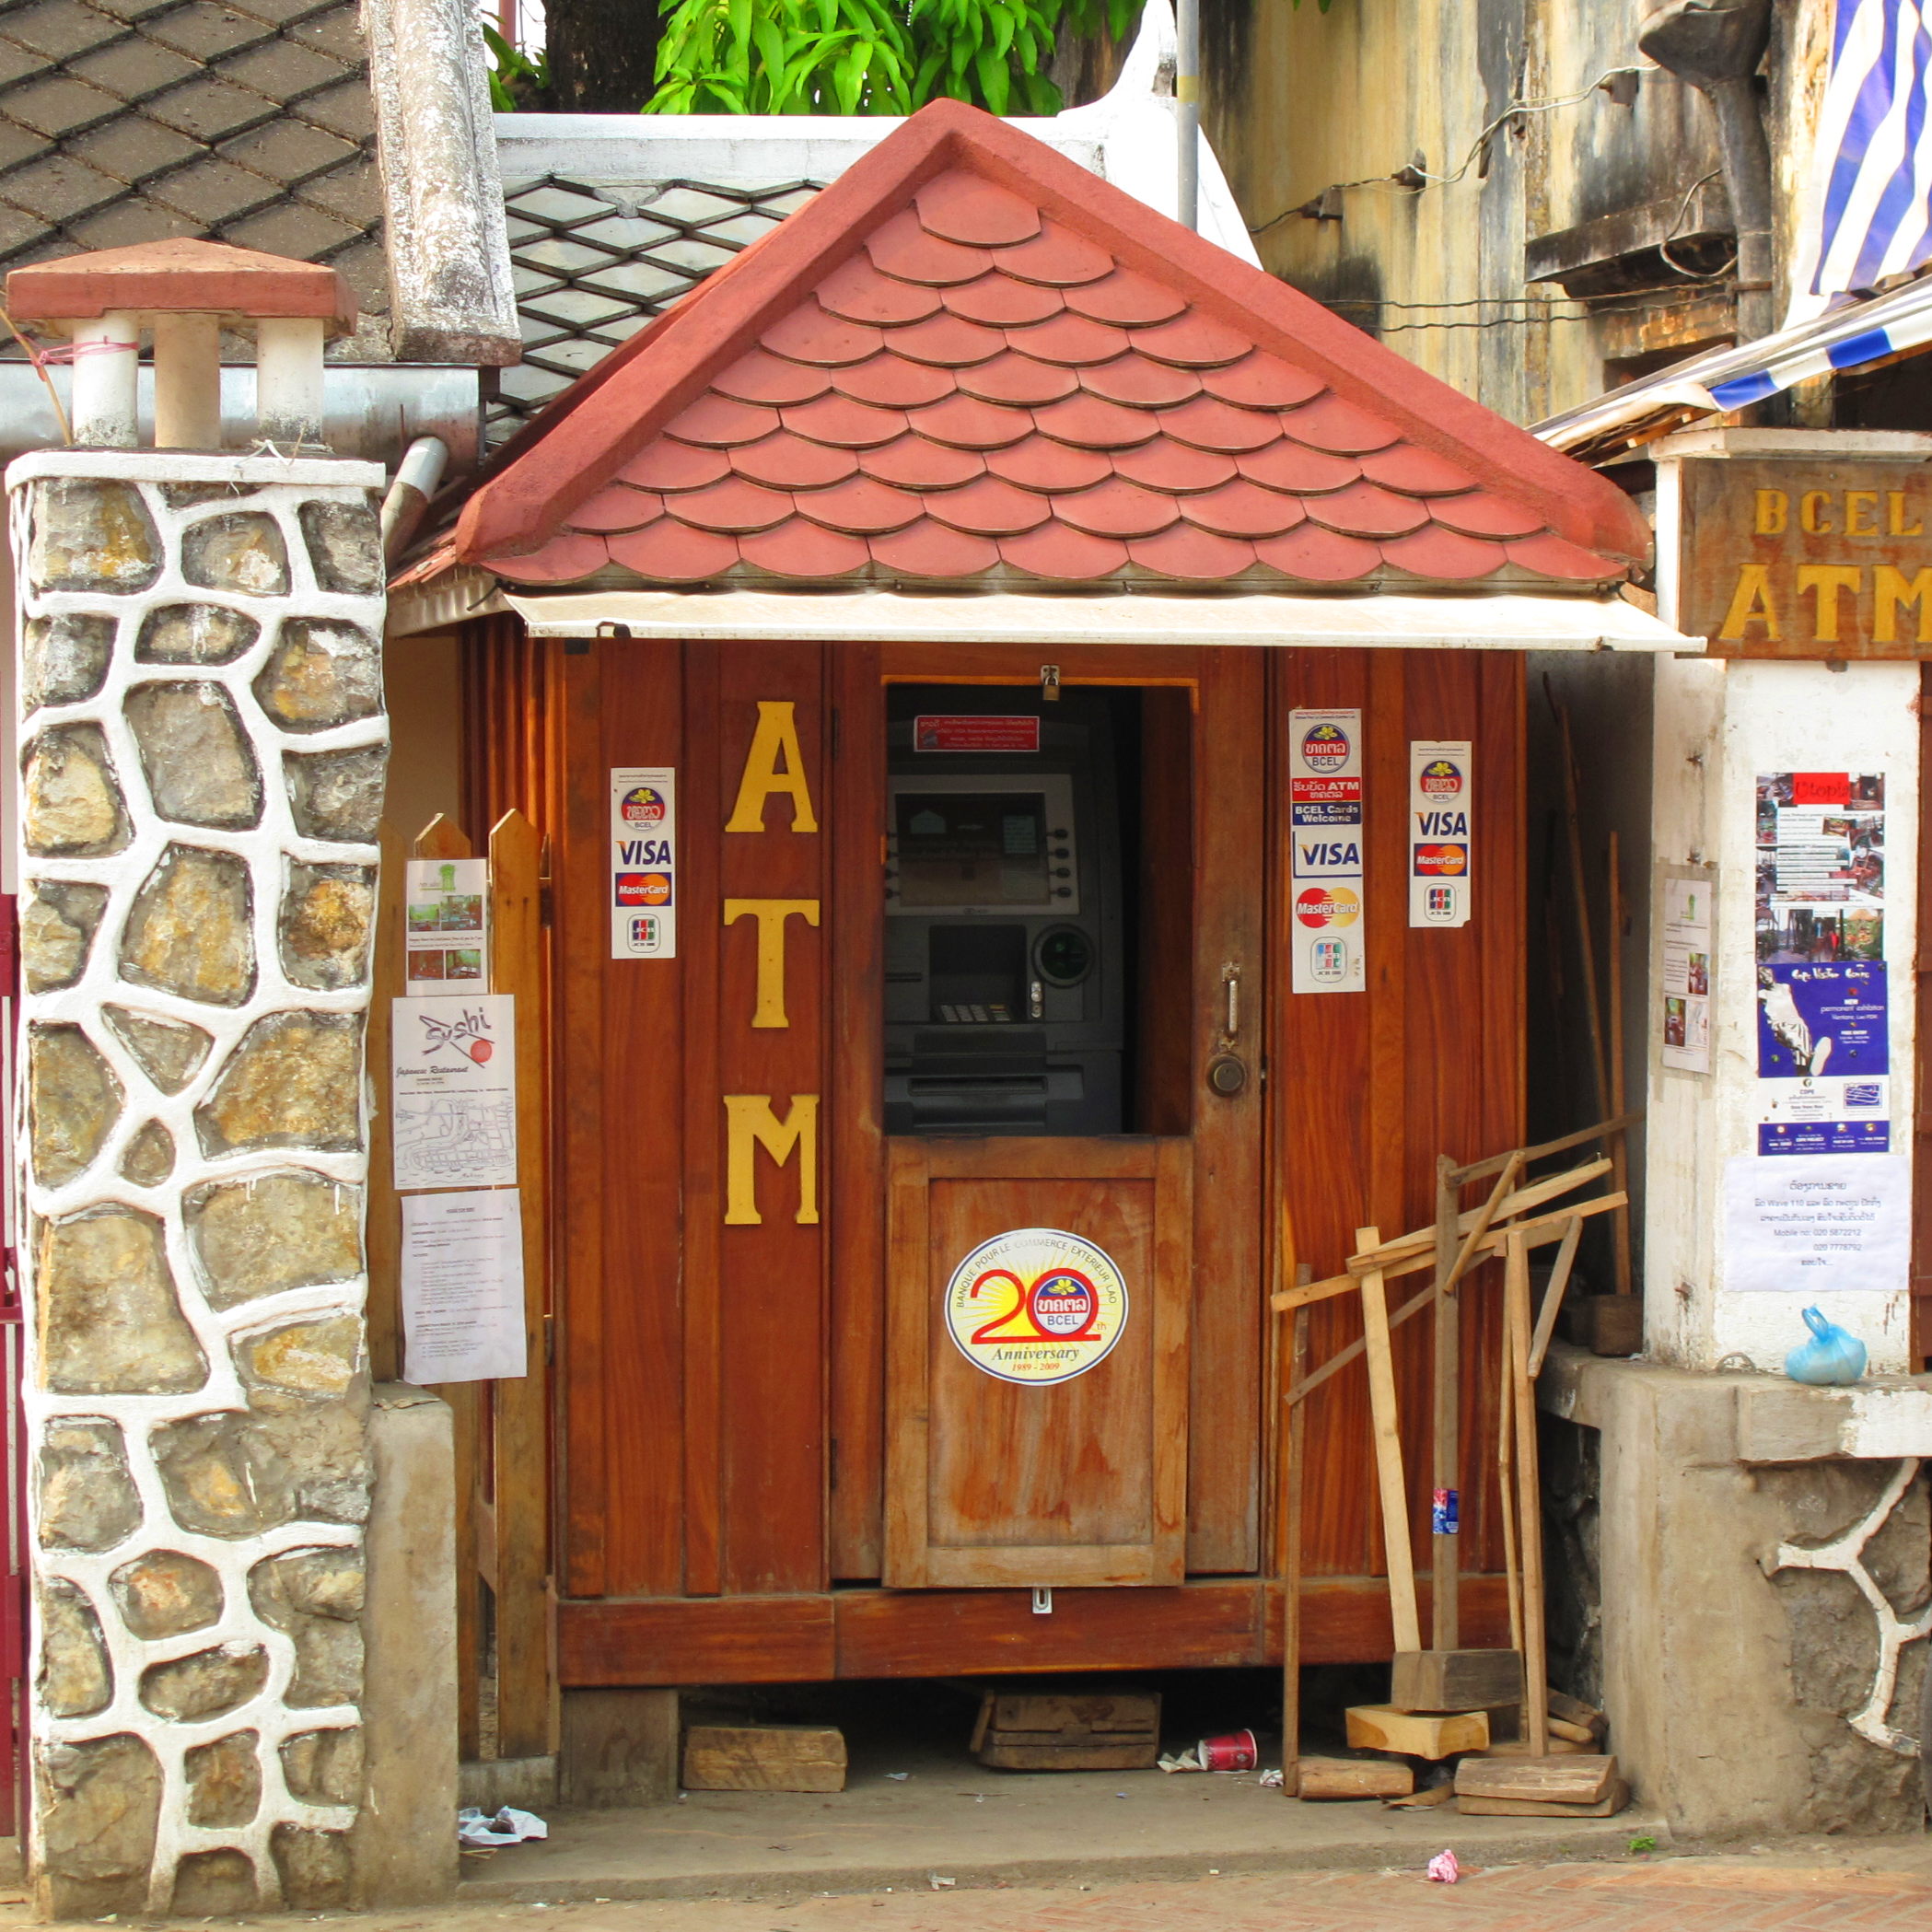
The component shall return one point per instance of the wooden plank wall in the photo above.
(707, 1444)
(1368, 1089)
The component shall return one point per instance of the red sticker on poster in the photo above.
(991, 731)
(1821, 787)
(1442, 861)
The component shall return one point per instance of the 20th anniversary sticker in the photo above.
(1036, 1305)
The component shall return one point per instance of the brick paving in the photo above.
(1735, 1894)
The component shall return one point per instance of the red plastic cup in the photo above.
(1236, 1751)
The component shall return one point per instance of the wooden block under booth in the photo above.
(1380, 1726)
(763, 1757)
(1608, 1806)
(1327, 1778)
(1455, 1680)
(1068, 1730)
(1580, 1780)
(1573, 1710)
(1518, 1747)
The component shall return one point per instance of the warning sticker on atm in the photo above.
(1036, 1305)
(970, 732)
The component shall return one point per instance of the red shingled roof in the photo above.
(971, 360)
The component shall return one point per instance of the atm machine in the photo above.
(1006, 981)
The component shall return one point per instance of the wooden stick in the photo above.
(1506, 1481)
(1422, 1241)
(1387, 1430)
(1619, 1150)
(1536, 1234)
(1592, 1001)
(1487, 1213)
(1601, 1130)
(1294, 1485)
(1542, 1229)
(1446, 1448)
(1553, 1298)
(1516, 1289)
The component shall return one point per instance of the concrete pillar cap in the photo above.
(181, 277)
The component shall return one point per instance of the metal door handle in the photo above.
(1231, 987)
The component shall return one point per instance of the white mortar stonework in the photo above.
(288, 1474)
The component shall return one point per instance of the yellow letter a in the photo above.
(775, 764)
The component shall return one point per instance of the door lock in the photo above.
(1226, 1075)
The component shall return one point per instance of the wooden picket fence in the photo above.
(503, 1475)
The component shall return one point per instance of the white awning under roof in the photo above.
(1504, 622)
(1852, 336)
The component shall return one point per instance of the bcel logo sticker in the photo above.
(1326, 747)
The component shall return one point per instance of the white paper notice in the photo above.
(1808, 1224)
(454, 1085)
(463, 1286)
(1325, 826)
(1441, 809)
(1687, 974)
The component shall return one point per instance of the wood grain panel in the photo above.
(1224, 1414)
(1081, 1481)
(878, 1634)
(627, 1050)
(855, 1085)
(769, 1341)
(681, 1640)
(1433, 1050)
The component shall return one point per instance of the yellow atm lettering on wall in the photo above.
(1787, 557)
(770, 915)
(773, 765)
(751, 1123)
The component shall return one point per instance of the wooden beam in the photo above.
(1541, 1230)
(1600, 1130)
(1536, 1234)
(527, 1715)
(1386, 1425)
(1215, 1622)
(1515, 1290)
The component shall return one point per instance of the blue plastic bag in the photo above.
(1831, 1359)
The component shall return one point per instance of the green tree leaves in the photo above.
(869, 57)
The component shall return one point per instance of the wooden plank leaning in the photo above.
(1536, 1668)
(1387, 1428)
(1536, 1234)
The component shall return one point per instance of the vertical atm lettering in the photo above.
(1005, 994)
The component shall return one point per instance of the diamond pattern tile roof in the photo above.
(137, 120)
(968, 361)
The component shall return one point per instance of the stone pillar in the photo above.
(203, 741)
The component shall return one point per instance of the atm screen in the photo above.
(971, 848)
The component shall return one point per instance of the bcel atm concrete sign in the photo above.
(1784, 558)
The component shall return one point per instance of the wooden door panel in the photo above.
(1075, 1482)
(1068, 1463)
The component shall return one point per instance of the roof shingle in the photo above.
(968, 361)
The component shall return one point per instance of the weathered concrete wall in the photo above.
(203, 749)
(1752, 1680)
(1298, 101)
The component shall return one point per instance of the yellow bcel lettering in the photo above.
(1891, 590)
(773, 765)
(1861, 513)
(1824, 582)
(1774, 511)
(1811, 513)
(751, 1123)
(1750, 603)
(1895, 523)
(770, 915)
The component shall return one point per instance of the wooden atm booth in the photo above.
(984, 577)
(915, 1224)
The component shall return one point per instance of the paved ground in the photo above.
(1813, 1886)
